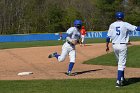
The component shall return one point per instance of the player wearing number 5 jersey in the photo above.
(119, 34)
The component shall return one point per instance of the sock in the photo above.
(120, 73)
(71, 64)
(122, 78)
(57, 55)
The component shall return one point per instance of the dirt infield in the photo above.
(35, 59)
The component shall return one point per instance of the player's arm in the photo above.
(132, 27)
(109, 34)
(79, 41)
(138, 28)
(107, 43)
(70, 40)
(69, 34)
(68, 37)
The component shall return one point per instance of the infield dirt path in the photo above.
(35, 59)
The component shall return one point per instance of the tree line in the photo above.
(50, 16)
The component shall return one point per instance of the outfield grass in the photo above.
(69, 86)
(133, 59)
(8, 45)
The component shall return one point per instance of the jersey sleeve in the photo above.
(130, 27)
(69, 34)
(110, 31)
(70, 31)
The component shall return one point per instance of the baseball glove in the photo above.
(74, 42)
(79, 41)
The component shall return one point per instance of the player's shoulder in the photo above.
(118, 22)
(71, 29)
(112, 24)
(127, 23)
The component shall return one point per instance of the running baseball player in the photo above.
(68, 48)
(119, 34)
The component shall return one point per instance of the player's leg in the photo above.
(121, 65)
(116, 52)
(82, 39)
(72, 56)
(63, 55)
(65, 50)
(122, 61)
(54, 54)
(119, 74)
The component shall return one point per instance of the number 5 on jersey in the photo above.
(117, 30)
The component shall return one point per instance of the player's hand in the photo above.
(74, 42)
(107, 49)
(79, 41)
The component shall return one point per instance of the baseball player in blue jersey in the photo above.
(68, 48)
(119, 34)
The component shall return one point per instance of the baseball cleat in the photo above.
(118, 85)
(70, 74)
(52, 55)
(123, 82)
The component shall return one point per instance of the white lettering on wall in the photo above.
(94, 35)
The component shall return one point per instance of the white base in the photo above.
(24, 73)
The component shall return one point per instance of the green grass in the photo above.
(69, 86)
(133, 59)
(7, 45)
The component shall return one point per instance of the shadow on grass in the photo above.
(134, 80)
(88, 71)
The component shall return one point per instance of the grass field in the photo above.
(8, 45)
(133, 59)
(74, 85)
(69, 86)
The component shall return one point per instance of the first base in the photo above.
(24, 73)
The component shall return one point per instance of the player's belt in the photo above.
(70, 43)
(118, 43)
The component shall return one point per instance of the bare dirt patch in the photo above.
(35, 59)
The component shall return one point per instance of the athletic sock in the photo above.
(56, 55)
(71, 64)
(120, 74)
(122, 78)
